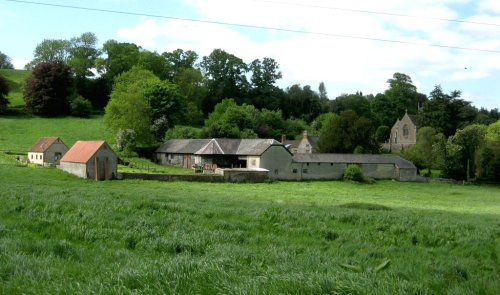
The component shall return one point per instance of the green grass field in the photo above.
(16, 79)
(60, 234)
(18, 134)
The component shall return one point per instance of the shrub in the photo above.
(353, 173)
(126, 141)
(80, 107)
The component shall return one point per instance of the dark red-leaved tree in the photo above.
(4, 91)
(48, 89)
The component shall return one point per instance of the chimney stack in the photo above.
(283, 138)
(305, 134)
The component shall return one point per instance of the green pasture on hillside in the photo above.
(61, 234)
(18, 134)
(16, 79)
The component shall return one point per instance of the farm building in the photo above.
(222, 153)
(47, 151)
(90, 159)
(332, 166)
(271, 155)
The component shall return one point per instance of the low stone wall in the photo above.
(228, 176)
(172, 177)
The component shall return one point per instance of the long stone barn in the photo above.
(280, 162)
(90, 159)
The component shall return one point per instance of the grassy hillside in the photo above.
(18, 134)
(60, 234)
(16, 79)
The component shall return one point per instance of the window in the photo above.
(331, 164)
(276, 171)
(307, 164)
(294, 170)
(406, 131)
(319, 164)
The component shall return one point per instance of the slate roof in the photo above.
(354, 159)
(43, 144)
(82, 151)
(217, 146)
(182, 146)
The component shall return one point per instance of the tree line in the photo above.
(149, 97)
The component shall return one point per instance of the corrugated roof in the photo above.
(217, 146)
(82, 151)
(354, 159)
(43, 144)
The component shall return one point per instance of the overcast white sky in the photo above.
(344, 64)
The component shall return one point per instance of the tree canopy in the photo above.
(4, 91)
(49, 88)
(5, 61)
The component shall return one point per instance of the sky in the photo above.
(351, 46)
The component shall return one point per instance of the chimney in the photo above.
(283, 138)
(305, 134)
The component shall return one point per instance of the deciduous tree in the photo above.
(128, 107)
(5, 61)
(345, 132)
(4, 91)
(83, 53)
(50, 50)
(49, 88)
(225, 75)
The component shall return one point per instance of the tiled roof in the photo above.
(354, 159)
(43, 144)
(82, 151)
(217, 146)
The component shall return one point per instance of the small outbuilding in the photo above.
(90, 159)
(47, 151)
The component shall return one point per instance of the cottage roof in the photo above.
(217, 146)
(43, 144)
(82, 151)
(354, 159)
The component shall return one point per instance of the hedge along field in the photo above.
(18, 134)
(60, 234)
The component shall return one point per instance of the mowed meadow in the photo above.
(63, 235)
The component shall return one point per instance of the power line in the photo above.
(255, 26)
(379, 13)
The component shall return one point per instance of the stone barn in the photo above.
(47, 151)
(90, 159)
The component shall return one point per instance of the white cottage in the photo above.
(47, 151)
(90, 159)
